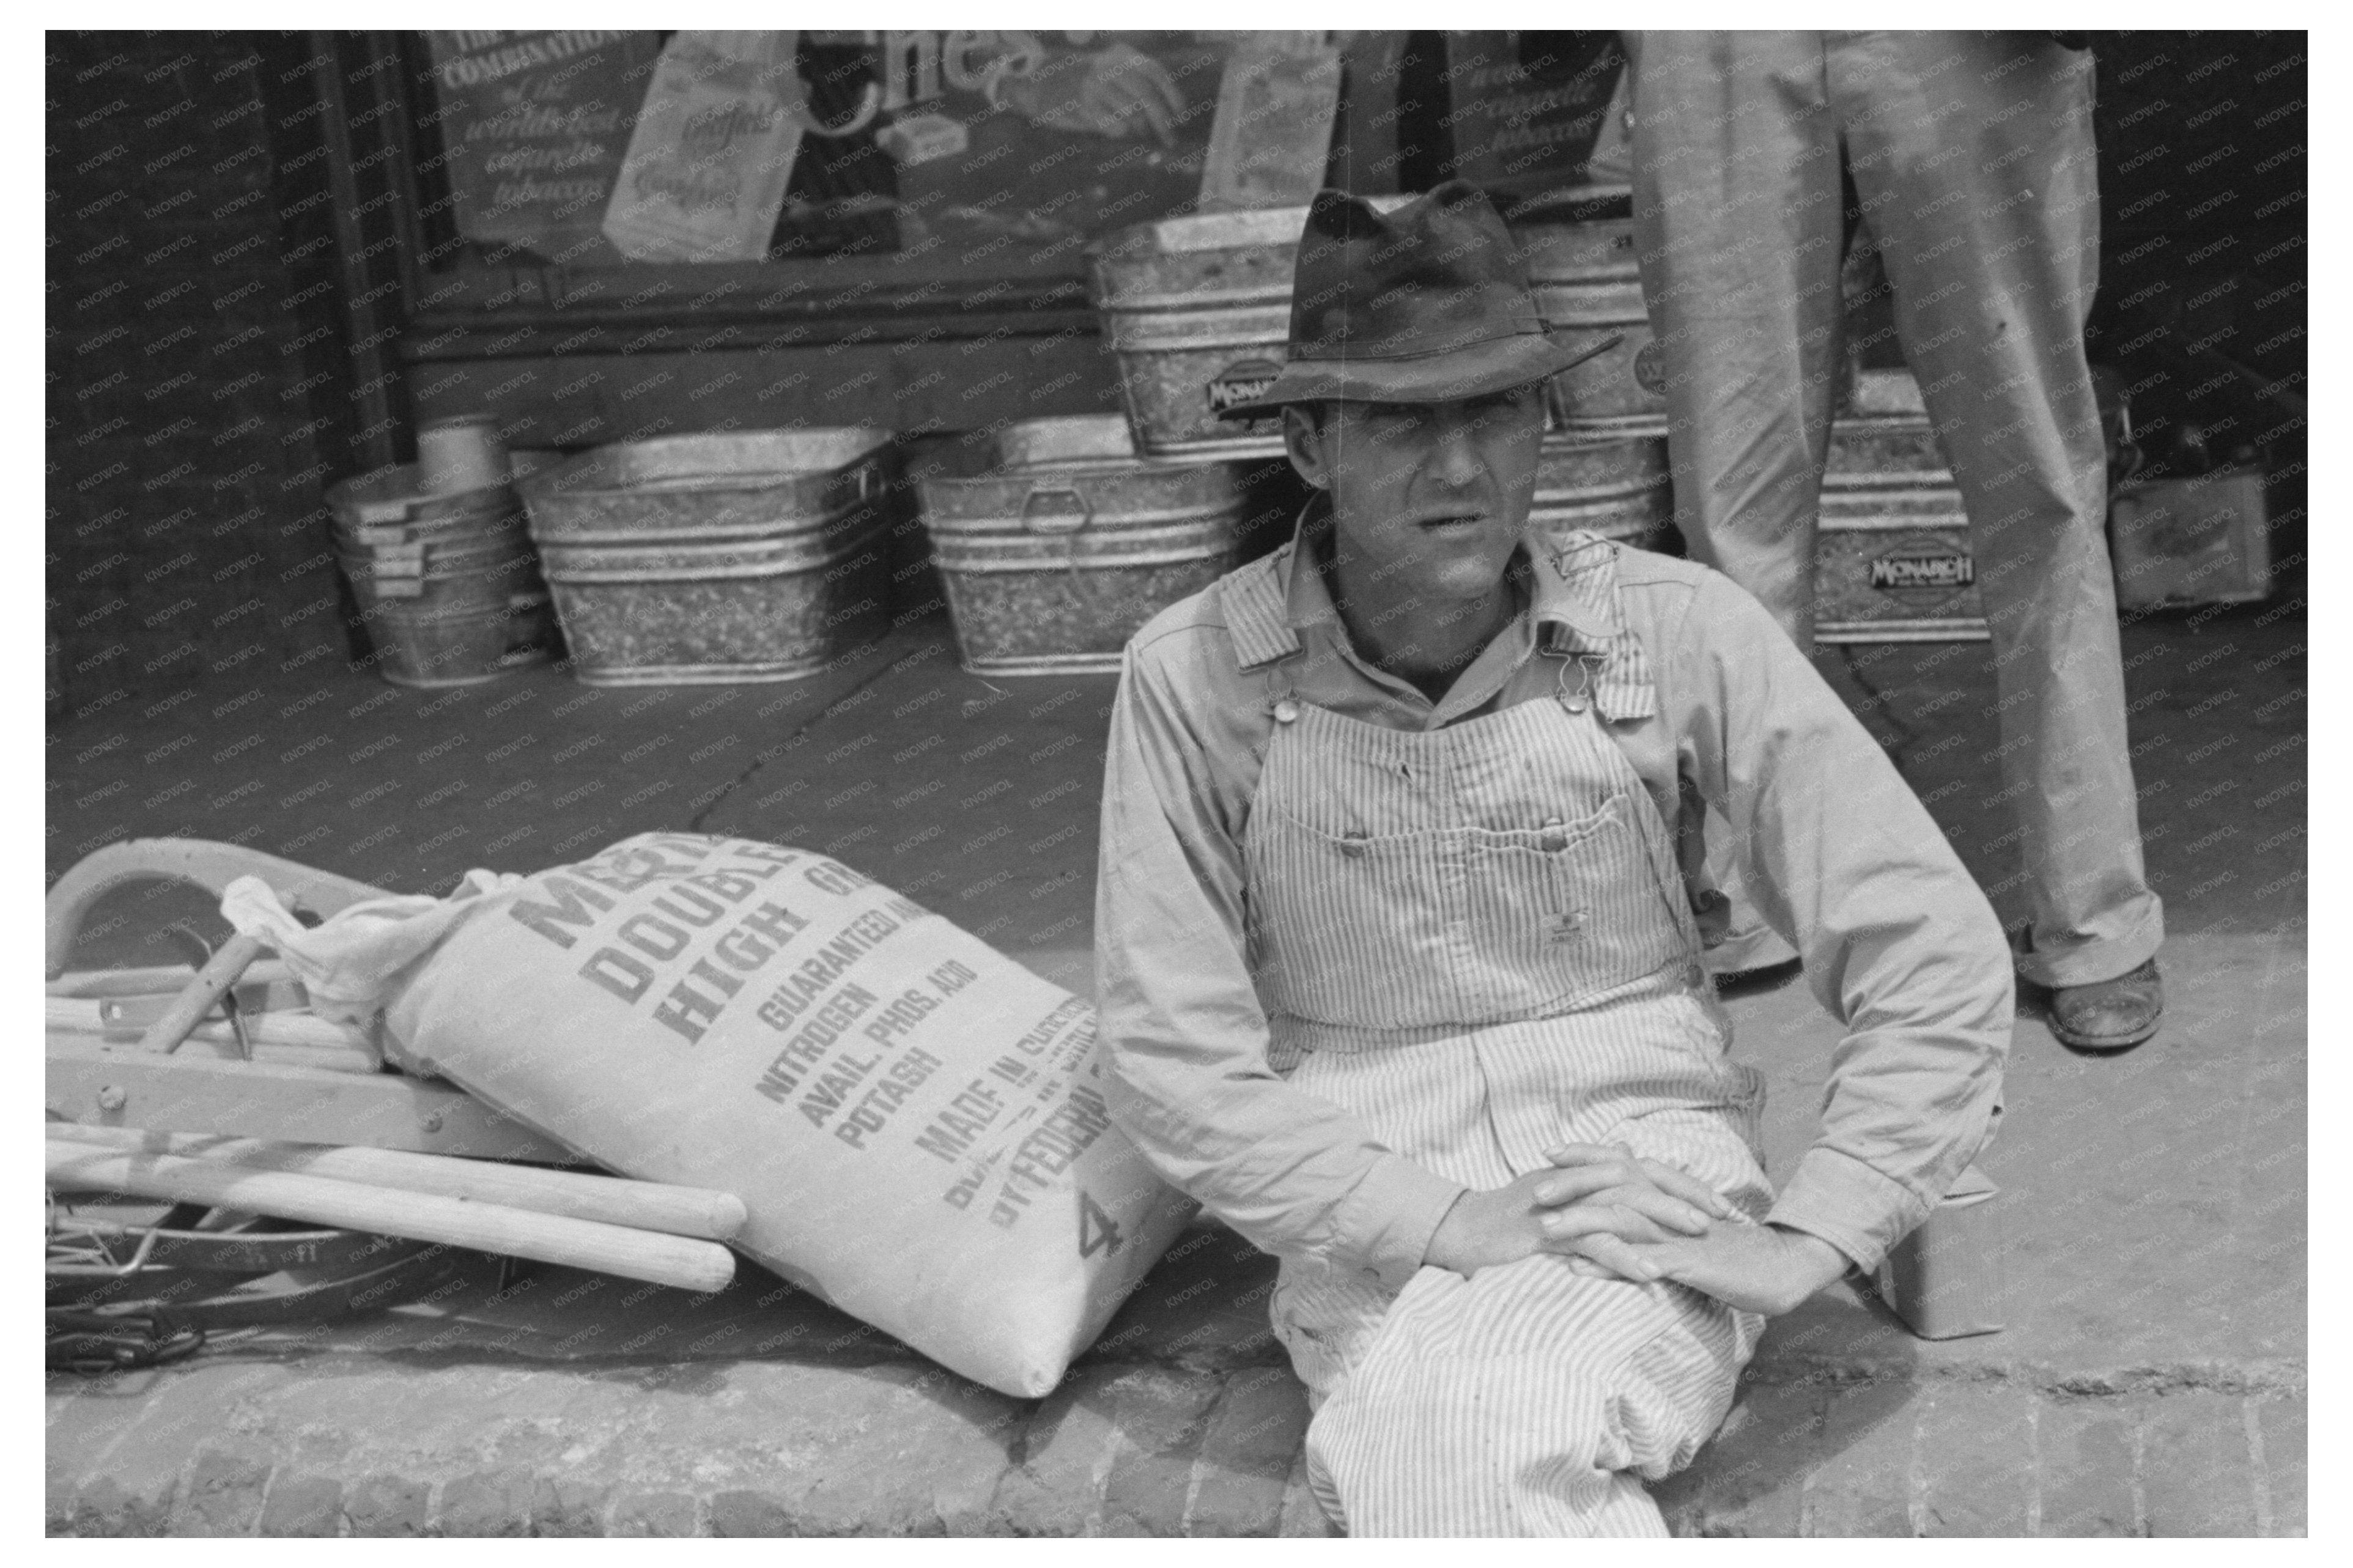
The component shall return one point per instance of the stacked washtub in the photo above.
(1197, 311)
(1066, 540)
(744, 555)
(443, 572)
(1891, 561)
(1060, 537)
(1605, 465)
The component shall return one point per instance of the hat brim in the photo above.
(1473, 372)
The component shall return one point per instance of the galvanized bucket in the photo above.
(1615, 486)
(1067, 543)
(434, 646)
(744, 485)
(395, 497)
(464, 574)
(1198, 312)
(432, 570)
(1892, 559)
(751, 556)
(1587, 288)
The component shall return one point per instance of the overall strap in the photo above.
(1614, 673)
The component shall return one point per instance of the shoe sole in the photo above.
(2104, 1041)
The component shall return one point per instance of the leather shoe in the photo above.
(2108, 1015)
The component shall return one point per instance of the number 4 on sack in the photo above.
(1097, 1231)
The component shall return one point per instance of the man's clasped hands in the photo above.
(1619, 1216)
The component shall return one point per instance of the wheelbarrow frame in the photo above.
(112, 1084)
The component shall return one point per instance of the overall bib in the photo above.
(1476, 939)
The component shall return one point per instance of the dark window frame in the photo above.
(383, 88)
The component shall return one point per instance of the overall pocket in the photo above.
(1352, 929)
(1562, 912)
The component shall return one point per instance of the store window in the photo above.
(589, 149)
(601, 149)
(587, 229)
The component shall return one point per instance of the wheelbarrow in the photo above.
(113, 1060)
(216, 1084)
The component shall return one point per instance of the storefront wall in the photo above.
(199, 389)
(258, 282)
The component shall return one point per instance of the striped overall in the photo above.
(1475, 939)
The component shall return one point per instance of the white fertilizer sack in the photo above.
(914, 1121)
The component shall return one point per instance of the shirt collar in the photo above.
(1572, 580)
(1573, 599)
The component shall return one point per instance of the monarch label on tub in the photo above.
(1922, 569)
(1241, 382)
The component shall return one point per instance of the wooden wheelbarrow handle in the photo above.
(209, 865)
(202, 993)
(688, 1263)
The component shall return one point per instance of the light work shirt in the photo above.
(1711, 704)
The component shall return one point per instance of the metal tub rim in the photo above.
(574, 503)
(759, 672)
(1043, 664)
(1193, 541)
(722, 559)
(1226, 326)
(1235, 449)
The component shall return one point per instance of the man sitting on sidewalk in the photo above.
(1398, 968)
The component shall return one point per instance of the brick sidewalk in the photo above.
(773, 1449)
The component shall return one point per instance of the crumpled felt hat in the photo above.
(1427, 303)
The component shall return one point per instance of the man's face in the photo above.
(1434, 494)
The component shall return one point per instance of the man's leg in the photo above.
(1738, 229)
(1974, 158)
(1528, 1400)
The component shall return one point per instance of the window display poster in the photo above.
(714, 149)
(898, 140)
(1273, 133)
(1526, 108)
(534, 127)
(1040, 136)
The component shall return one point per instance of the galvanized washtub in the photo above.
(1892, 559)
(462, 646)
(459, 575)
(1198, 312)
(1587, 288)
(747, 556)
(1615, 486)
(447, 582)
(1063, 542)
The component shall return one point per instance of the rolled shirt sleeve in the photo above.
(1184, 1037)
(1898, 942)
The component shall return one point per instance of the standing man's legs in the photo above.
(1738, 230)
(1738, 227)
(1974, 158)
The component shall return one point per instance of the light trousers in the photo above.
(1972, 153)
(1525, 1400)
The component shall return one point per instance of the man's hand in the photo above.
(1757, 1268)
(1594, 1205)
